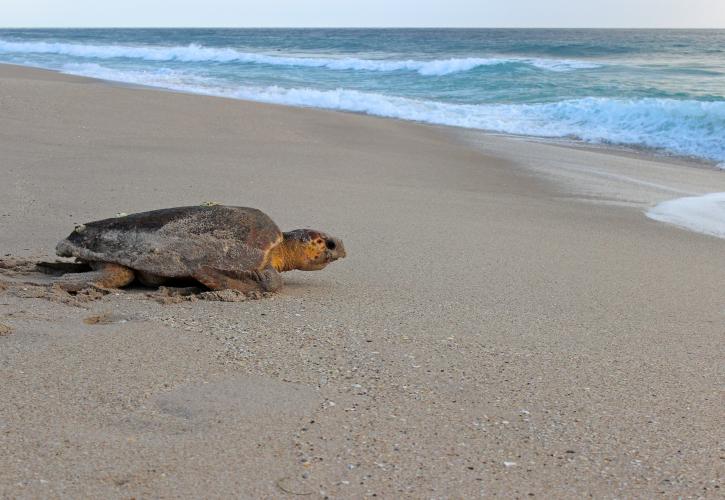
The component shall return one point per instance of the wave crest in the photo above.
(198, 53)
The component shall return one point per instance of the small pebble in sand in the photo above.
(5, 330)
(509, 464)
(104, 319)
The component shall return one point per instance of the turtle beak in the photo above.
(334, 249)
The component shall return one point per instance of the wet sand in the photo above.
(507, 321)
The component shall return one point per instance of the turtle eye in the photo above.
(330, 244)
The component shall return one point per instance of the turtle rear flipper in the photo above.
(58, 268)
(103, 276)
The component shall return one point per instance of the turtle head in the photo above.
(307, 250)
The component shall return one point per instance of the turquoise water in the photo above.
(659, 89)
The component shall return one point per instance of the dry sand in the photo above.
(507, 321)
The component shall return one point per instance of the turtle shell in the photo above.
(174, 242)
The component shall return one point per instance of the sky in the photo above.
(365, 13)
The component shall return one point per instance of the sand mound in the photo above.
(175, 295)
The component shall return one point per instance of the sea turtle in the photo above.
(222, 247)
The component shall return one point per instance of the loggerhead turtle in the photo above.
(222, 247)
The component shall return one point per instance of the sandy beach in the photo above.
(507, 322)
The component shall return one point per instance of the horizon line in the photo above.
(377, 27)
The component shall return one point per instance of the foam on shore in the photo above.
(704, 214)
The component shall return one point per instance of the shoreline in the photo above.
(507, 321)
(635, 151)
(586, 182)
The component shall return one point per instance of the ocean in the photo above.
(662, 90)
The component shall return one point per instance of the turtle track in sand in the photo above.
(24, 278)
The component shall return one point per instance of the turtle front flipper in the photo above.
(267, 280)
(104, 275)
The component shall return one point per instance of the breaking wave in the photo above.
(199, 53)
(683, 127)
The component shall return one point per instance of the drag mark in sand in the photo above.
(36, 279)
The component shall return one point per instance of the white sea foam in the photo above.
(691, 128)
(704, 214)
(562, 64)
(158, 77)
(198, 53)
